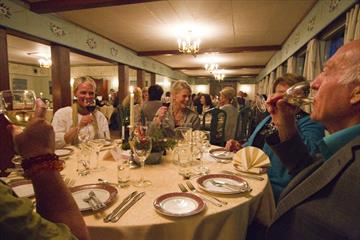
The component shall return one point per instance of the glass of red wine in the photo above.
(166, 102)
(90, 105)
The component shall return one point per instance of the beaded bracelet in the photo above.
(40, 163)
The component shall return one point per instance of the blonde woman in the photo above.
(138, 100)
(228, 103)
(69, 121)
(177, 114)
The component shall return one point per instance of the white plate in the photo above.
(205, 184)
(221, 153)
(179, 204)
(107, 143)
(23, 188)
(63, 152)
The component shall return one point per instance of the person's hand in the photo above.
(38, 138)
(161, 113)
(283, 115)
(232, 145)
(85, 120)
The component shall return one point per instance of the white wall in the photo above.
(200, 88)
(249, 89)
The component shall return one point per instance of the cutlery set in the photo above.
(244, 187)
(206, 197)
(124, 206)
(94, 201)
(244, 175)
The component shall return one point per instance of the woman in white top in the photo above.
(69, 121)
(228, 103)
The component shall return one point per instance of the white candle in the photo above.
(122, 132)
(132, 116)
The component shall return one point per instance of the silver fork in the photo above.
(89, 201)
(208, 198)
(99, 204)
(243, 175)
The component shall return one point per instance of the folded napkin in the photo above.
(251, 159)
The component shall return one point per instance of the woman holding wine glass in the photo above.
(177, 114)
(310, 131)
(82, 116)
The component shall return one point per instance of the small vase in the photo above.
(154, 158)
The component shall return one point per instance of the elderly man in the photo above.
(321, 202)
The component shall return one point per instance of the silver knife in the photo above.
(127, 207)
(117, 209)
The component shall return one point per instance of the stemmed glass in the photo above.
(202, 141)
(297, 95)
(141, 145)
(18, 107)
(166, 103)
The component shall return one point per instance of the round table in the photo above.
(143, 222)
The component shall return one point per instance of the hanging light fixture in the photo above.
(219, 75)
(189, 44)
(45, 62)
(211, 67)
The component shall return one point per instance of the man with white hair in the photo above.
(321, 202)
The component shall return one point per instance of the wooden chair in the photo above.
(244, 124)
(214, 121)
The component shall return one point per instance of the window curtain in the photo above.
(270, 83)
(291, 65)
(280, 71)
(352, 25)
(312, 65)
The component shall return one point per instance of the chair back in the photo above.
(214, 121)
(244, 124)
(6, 147)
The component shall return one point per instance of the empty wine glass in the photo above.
(202, 142)
(297, 95)
(18, 107)
(141, 145)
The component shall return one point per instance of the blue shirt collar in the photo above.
(332, 143)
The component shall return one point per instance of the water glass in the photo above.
(182, 158)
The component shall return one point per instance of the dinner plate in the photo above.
(104, 192)
(23, 188)
(107, 143)
(63, 152)
(221, 153)
(233, 184)
(179, 204)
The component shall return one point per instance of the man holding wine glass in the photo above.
(328, 183)
(81, 116)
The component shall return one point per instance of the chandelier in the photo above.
(211, 67)
(219, 75)
(45, 62)
(188, 44)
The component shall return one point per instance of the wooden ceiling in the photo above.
(240, 35)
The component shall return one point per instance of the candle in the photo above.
(132, 116)
(122, 132)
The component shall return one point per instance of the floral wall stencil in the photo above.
(333, 5)
(114, 52)
(56, 30)
(311, 24)
(91, 43)
(4, 10)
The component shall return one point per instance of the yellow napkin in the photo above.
(251, 159)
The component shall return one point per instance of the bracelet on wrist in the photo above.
(33, 165)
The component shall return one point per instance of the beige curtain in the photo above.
(279, 71)
(270, 83)
(291, 65)
(312, 60)
(352, 25)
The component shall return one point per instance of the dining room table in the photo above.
(142, 221)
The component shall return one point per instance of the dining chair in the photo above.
(244, 124)
(214, 121)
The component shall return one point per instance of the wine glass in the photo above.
(90, 105)
(18, 107)
(297, 95)
(141, 146)
(202, 141)
(166, 103)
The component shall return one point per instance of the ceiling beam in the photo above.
(226, 76)
(70, 5)
(214, 50)
(225, 67)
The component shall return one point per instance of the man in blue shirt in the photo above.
(321, 202)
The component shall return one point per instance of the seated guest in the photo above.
(145, 94)
(68, 121)
(151, 106)
(177, 114)
(228, 103)
(328, 183)
(137, 107)
(206, 102)
(57, 215)
(310, 131)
